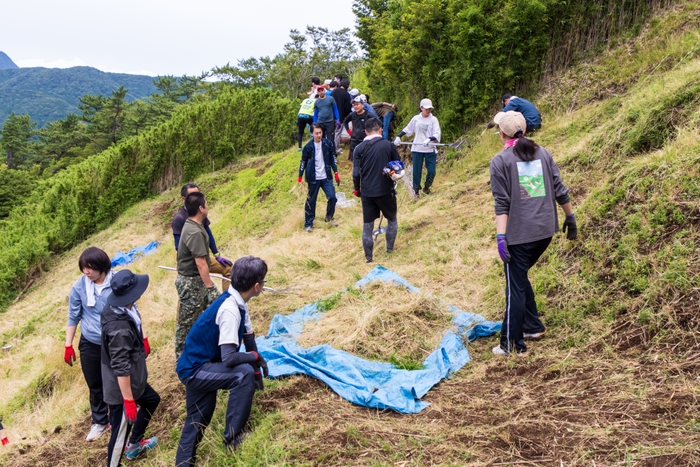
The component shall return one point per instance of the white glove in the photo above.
(427, 141)
(397, 141)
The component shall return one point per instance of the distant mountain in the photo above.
(48, 94)
(6, 62)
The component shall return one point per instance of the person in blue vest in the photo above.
(533, 119)
(212, 360)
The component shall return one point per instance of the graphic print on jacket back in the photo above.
(531, 179)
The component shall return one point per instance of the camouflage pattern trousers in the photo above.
(194, 299)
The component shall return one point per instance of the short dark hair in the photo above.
(96, 259)
(345, 83)
(186, 188)
(333, 84)
(246, 272)
(505, 96)
(315, 126)
(373, 124)
(315, 80)
(193, 202)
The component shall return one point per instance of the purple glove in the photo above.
(503, 248)
(223, 261)
(337, 123)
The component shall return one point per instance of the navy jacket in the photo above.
(529, 111)
(308, 162)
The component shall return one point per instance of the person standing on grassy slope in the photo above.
(325, 113)
(318, 159)
(87, 298)
(526, 184)
(375, 189)
(304, 118)
(194, 286)
(342, 100)
(124, 370)
(222, 265)
(427, 130)
(358, 119)
(212, 360)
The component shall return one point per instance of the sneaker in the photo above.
(533, 335)
(330, 219)
(368, 260)
(308, 229)
(389, 250)
(417, 194)
(134, 450)
(498, 350)
(426, 190)
(299, 150)
(97, 430)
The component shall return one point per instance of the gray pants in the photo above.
(368, 239)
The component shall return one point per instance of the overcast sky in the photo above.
(157, 37)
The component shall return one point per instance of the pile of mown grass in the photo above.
(381, 321)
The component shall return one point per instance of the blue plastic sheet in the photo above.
(363, 382)
(120, 259)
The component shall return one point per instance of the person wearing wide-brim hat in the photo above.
(124, 373)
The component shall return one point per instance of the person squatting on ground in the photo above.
(385, 112)
(427, 129)
(86, 301)
(532, 116)
(304, 118)
(376, 191)
(526, 184)
(194, 286)
(325, 113)
(358, 118)
(212, 360)
(124, 372)
(318, 160)
(222, 265)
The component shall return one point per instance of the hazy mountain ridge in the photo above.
(6, 62)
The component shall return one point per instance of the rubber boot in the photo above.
(368, 240)
(391, 230)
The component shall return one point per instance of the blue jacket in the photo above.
(529, 111)
(202, 342)
(87, 316)
(308, 160)
(369, 109)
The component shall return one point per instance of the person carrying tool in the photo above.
(194, 286)
(132, 401)
(374, 188)
(525, 183)
(212, 360)
(222, 265)
(426, 128)
(318, 160)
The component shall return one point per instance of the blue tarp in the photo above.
(364, 382)
(120, 259)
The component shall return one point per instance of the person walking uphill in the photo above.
(318, 159)
(325, 113)
(124, 372)
(194, 286)
(304, 118)
(427, 130)
(212, 360)
(526, 187)
(358, 119)
(375, 189)
(86, 301)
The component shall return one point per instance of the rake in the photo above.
(455, 145)
(285, 291)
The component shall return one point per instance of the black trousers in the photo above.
(328, 129)
(521, 311)
(201, 402)
(148, 403)
(302, 122)
(90, 363)
(310, 206)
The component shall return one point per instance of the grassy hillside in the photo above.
(613, 383)
(48, 94)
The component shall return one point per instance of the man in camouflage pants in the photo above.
(194, 286)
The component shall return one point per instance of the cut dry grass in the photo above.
(381, 321)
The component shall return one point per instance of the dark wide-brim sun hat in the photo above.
(127, 287)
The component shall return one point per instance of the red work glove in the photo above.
(69, 355)
(350, 131)
(5, 441)
(356, 193)
(130, 410)
(337, 178)
(299, 180)
(146, 346)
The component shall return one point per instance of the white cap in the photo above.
(353, 92)
(362, 97)
(426, 104)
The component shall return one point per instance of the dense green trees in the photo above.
(15, 139)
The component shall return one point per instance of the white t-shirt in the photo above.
(423, 128)
(228, 318)
(318, 159)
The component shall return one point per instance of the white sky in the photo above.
(157, 37)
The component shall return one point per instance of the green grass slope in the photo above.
(614, 382)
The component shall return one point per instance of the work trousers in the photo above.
(310, 205)
(521, 311)
(328, 129)
(148, 403)
(194, 299)
(387, 123)
(225, 271)
(201, 391)
(338, 132)
(430, 162)
(90, 363)
(302, 123)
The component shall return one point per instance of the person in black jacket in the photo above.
(318, 159)
(342, 100)
(359, 119)
(376, 191)
(124, 373)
